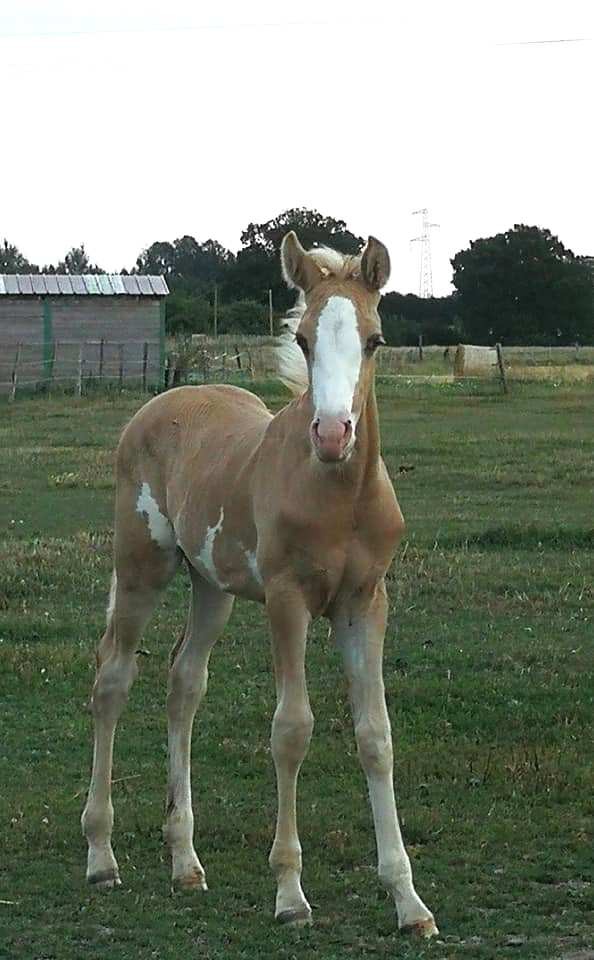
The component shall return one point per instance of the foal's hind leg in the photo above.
(208, 615)
(142, 569)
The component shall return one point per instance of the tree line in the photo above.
(520, 286)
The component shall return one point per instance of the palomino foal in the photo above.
(295, 511)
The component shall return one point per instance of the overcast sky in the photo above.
(128, 122)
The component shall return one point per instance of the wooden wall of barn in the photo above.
(21, 321)
(123, 323)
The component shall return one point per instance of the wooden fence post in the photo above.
(80, 371)
(205, 366)
(101, 358)
(501, 366)
(121, 365)
(238, 357)
(144, 365)
(15, 372)
(421, 347)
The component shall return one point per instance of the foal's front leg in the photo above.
(291, 732)
(359, 627)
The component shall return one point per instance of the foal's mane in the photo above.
(291, 365)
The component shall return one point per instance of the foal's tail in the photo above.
(291, 365)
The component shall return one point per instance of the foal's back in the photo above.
(214, 421)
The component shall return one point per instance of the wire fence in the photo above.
(36, 366)
(79, 366)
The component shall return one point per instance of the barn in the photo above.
(69, 329)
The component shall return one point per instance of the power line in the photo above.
(531, 43)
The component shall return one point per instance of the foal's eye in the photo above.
(302, 342)
(374, 342)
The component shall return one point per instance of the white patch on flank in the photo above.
(253, 565)
(159, 526)
(337, 358)
(206, 555)
(112, 596)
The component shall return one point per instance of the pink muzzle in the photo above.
(330, 437)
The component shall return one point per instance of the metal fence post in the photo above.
(144, 365)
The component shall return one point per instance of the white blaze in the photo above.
(159, 526)
(337, 358)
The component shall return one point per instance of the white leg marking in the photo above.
(160, 528)
(337, 358)
(360, 639)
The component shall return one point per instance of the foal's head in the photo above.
(338, 333)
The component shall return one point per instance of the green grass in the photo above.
(489, 662)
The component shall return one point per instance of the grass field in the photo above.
(489, 670)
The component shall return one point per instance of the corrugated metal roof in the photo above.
(130, 285)
(81, 285)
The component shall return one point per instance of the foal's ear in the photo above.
(375, 265)
(299, 270)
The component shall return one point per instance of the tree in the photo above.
(523, 286)
(312, 228)
(76, 261)
(257, 267)
(158, 259)
(243, 316)
(405, 317)
(13, 261)
(196, 264)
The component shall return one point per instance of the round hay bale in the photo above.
(471, 361)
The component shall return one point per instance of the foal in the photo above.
(296, 511)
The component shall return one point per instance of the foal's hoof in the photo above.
(194, 882)
(104, 880)
(294, 918)
(422, 928)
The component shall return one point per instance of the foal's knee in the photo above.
(291, 733)
(186, 690)
(374, 745)
(112, 685)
